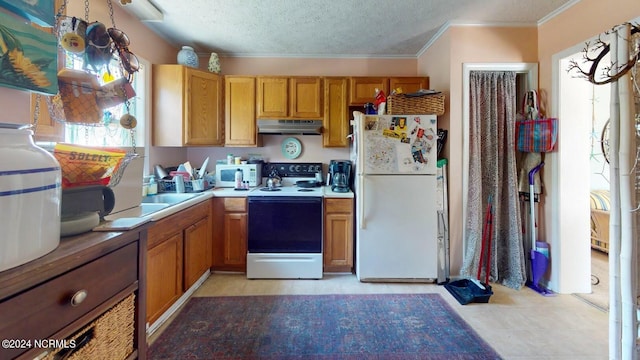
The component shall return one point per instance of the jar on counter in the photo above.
(30, 193)
(230, 159)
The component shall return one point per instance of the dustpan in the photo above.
(471, 290)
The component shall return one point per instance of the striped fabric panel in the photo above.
(600, 200)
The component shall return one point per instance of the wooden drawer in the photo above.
(42, 311)
(338, 205)
(236, 204)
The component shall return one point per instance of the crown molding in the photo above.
(450, 24)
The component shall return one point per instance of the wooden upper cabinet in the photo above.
(363, 89)
(187, 107)
(204, 125)
(240, 111)
(273, 96)
(409, 84)
(336, 112)
(305, 97)
(281, 97)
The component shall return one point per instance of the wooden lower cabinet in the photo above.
(338, 235)
(230, 234)
(178, 253)
(197, 251)
(164, 276)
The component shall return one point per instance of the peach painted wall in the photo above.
(15, 104)
(460, 45)
(580, 23)
(144, 43)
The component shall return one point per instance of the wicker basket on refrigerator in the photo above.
(401, 104)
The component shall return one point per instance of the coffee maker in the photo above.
(339, 172)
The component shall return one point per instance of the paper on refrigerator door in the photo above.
(404, 144)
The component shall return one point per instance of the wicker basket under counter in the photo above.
(401, 104)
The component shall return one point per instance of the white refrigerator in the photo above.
(395, 186)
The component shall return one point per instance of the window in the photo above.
(110, 133)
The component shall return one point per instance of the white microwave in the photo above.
(226, 174)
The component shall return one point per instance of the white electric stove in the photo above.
(286, 225)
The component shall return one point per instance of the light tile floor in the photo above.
(518, 324)
(599, 295)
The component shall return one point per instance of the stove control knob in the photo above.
(297, 169)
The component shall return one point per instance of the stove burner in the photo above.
(305, 189)
(270, 189)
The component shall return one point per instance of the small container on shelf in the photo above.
(152, 187)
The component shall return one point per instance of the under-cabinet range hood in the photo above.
(299, 127)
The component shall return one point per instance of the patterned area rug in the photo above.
(372, 326)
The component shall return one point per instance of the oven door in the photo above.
(285, 224)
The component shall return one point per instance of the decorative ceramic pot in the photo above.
(188, 57)
(214, 63)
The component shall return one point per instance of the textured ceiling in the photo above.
(332, 28)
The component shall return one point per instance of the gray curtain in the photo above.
(492, 173)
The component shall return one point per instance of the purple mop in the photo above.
(539, 249)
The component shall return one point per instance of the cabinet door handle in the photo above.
(78, 297)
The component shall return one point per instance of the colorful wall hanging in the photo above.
(40, 12)
(28, 58)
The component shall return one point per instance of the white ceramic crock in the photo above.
(30, 195)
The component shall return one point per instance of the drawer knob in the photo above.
(78, 297)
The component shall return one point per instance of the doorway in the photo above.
(526, 78)
(569, 217)
(592, 103)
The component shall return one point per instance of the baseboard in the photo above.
(177, 305)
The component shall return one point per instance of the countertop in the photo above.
(230, 192)
(131, 218)
(328, 193)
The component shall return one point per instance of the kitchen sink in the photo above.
(138, 211)
(156, 206)
(169, 198)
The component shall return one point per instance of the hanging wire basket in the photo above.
(103, 53)
(101, 82)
